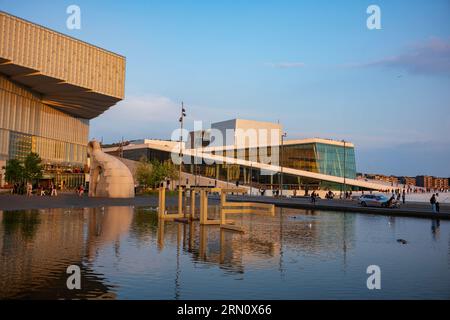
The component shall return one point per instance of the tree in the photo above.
(14, 171)
(158, 174)
(152, 174)
(33, 167)
(170, 170)
(144, 172)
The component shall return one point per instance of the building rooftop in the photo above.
(70, 75)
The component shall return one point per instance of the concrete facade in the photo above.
(51, 85)
(242, 133)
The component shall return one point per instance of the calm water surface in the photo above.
(126, 253)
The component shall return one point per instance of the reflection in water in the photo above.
(107, 225)
(435, 225)
(37, 247)
(126, 252)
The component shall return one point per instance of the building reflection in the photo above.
(107, 225)
(264, 239)
(37, 246)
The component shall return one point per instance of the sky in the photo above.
(314, 66)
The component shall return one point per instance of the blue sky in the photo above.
(312, 65)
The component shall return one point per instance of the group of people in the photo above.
(329, 195)
(40, 190)
(397, 194)
(20, 188)
(28, 189)
(347, 195)
(51, 190)
(434, 200)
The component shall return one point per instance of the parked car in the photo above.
(373, 200)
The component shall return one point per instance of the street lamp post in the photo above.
(284, 135)
(251, 177)
(181, 120)
(345, 169)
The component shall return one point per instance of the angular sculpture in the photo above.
(109, 177)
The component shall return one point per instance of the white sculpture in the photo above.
(109, 177)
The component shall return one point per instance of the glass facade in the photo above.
(329, 159)
(27, 125)
(21, 144)
(321, 158)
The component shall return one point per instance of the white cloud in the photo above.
(153, 116)
(427, 57)
(136, 117)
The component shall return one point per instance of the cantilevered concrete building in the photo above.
(51, 85)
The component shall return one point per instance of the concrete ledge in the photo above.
(344, 206)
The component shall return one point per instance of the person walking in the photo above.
(29, 189)
(433, 203)
(42, 191)
(313, 197)
(437, 203)
(53, 193)
(404, 196)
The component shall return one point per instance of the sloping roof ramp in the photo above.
(71, 75)
(256, 165)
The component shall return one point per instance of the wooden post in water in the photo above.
(159, 201)
(161, 234)
(203, 207)
(203, 241)
(162, 202)
(223, 197)
(192, 204)
(180, 201)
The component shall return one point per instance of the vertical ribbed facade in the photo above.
(61, 57)
(51, 85)
(27, 123)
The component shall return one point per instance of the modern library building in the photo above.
(51, 85)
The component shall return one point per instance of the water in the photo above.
(126, 253)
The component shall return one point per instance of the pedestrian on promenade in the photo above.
(29, 189)
(53, 193)
(81, 190)
(437, 203)
(433, 202)
(313, 197)
(390, 201)
(404, 196)
(42, 191)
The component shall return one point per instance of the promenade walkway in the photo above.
(410, 209)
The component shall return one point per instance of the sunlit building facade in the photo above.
(51, 85)
(322, 156)
(311, 164)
